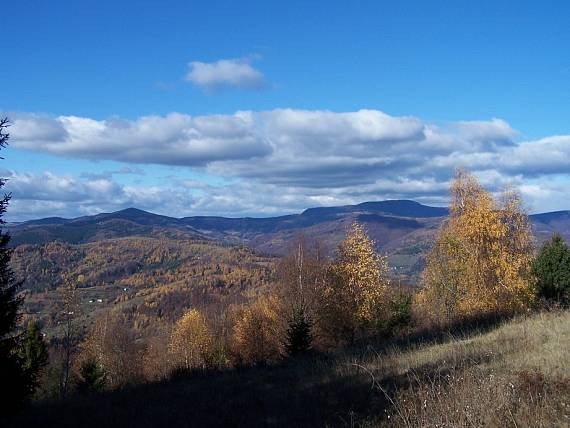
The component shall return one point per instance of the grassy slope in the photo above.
(516, 373)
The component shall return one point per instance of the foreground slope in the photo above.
(493, 373)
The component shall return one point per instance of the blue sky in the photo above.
(486, 83)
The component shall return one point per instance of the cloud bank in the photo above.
(284, 160)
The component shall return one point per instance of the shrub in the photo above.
(400, 312)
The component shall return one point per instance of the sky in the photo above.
(263, 108)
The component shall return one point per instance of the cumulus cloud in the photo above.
(175, 139)
(49, 194)
(236, 72)
(550, 155)
(284, 160)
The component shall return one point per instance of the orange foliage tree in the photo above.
(355, 296)
(481, 260)
(258, 331)
(191, 342)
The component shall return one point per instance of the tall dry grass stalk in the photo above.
(517, 375)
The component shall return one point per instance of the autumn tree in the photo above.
(481, 260)
(552, 270)
(67, 315)
(113, 347)
(258, 332)
(220, 323)
(443, 276)
(156, 361)
(357, 285)
(301, 273)
(191, 342)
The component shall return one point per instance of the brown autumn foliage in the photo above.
(258, 332)
(113, 346)
(156, 361)
(150, 280)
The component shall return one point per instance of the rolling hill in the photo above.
(402, 229)
(151, 280)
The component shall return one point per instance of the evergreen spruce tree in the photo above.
(299, 336)
(92, 376)
(33, 354)
(552, 271)
(14, 385)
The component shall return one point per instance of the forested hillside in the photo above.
(152, 279)
(402, 230)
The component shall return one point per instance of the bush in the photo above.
(400, 312)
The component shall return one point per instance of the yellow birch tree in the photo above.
(191, 342)
(258, 331)
(481, 260)
(357, 289)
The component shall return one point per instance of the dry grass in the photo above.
(517, 375)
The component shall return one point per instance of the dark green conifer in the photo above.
(552, 271)
(299, 335)
(92, 376)
(33, 354)
(14, 385)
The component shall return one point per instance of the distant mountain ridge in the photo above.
(399, 208)
(402, 229)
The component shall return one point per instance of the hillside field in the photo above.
(487, 373)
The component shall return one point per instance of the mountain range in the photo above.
(402, 229)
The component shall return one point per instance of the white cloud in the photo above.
(236, 72)
(49, 194)
(175, 139)
(550, 155)
(284, 160)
